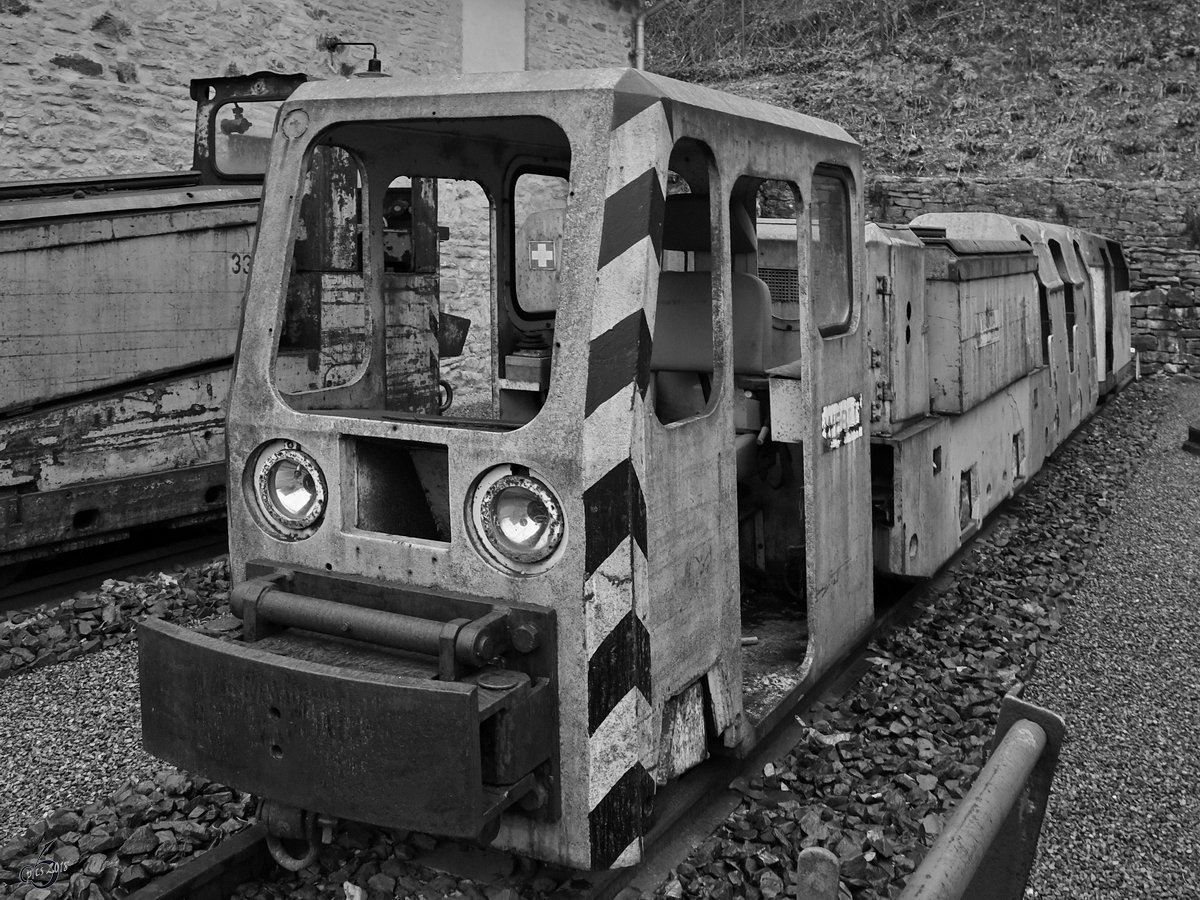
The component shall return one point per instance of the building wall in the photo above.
(95, 88)
(1158, 223)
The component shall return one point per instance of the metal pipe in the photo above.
(375, 626)
(947, 871)
(639, 32)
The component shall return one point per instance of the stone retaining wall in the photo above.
(1157, 222)
(96, 88)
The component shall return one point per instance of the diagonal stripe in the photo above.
(622, 286)
(613, 749)
(637, 511)
(630, 856)
(619, 664)
(608, 596)
(620, 818)
(607, 434)
(633, 212)
(633, 93)
(641, 143)
(605, 516)
(617, 357)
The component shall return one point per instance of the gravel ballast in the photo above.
(873, 781)
(881, 771)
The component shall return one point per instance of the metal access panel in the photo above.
(981, 306)
(896, 329)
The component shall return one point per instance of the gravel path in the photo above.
(87, 712)
(1125, 672)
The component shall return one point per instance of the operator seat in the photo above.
(682, 357)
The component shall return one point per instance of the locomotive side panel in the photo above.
(948, 475)
(979, 309)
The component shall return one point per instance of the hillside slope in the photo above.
(1049, 88)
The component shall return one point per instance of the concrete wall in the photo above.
(94, 88)
(1157, 222)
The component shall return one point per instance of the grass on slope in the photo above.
(1073, 87)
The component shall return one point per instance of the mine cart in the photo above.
(119, 309)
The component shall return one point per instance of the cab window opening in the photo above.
(780, 258)
(241, 136)
(831, 260)
(324, 336)
(683, 352)
(435, 339)
(765, 303)
(1045, 323)
(1068, 289)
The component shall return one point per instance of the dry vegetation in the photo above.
(935, 87)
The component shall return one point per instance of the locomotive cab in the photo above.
(510, 410)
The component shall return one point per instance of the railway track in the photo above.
(687, 810)
(36, 584)
(690, 810)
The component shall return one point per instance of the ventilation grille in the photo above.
(783, 283)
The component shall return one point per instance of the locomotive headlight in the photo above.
(289, 487)
(518, 519)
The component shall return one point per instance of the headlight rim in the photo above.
(278, 523)
(488, 485)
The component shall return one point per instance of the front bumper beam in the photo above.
(340, 733)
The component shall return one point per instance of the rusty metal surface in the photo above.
(25, 190)
(349, 743)
(100, 512)
(470, 643)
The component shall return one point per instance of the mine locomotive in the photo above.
(517, 401)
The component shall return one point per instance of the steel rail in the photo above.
(28, 592)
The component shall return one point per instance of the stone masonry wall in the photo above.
(1158, 223)
(588, 35)
(100, 87)
(96, 88)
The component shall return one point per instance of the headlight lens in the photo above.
(518, 517)
(290, 486)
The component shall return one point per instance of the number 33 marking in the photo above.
(239, 263)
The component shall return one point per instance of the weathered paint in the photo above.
(1003, 438)
(129, 457)
(896, 326)
(152, 289)
(841, 423)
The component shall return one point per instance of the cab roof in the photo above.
(633, 90)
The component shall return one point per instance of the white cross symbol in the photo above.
(541, 254)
